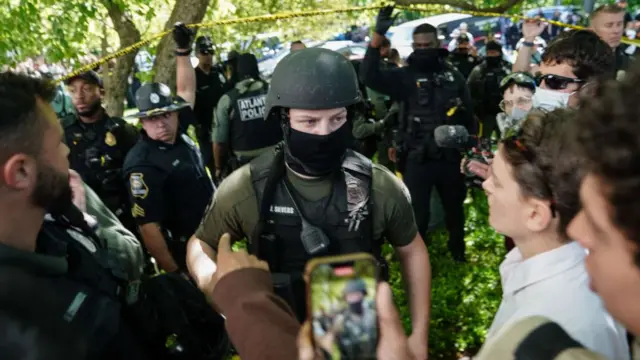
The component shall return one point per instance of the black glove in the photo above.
(384, 20)
(182, 35)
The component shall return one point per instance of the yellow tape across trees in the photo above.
(301, 14)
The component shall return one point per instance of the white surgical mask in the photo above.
(518, 114)
(550, 99)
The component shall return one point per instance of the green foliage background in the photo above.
(464, 297)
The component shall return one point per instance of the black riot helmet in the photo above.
(313, 79)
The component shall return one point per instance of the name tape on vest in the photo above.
(252, 108)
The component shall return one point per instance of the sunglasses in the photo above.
(518, 78)
(556, 82)
(513, 139)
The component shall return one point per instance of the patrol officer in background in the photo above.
(98, 144)
(231, 66)
(384, 114)
(314, 197)
(432, 93)
(210, 86)
(165, 175)
(462, 57)
(240, 132)
(484, 86)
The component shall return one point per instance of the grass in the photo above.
(464, 297)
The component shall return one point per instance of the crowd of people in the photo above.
(118, 227)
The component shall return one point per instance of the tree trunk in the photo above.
(185, 11)
(116, 84)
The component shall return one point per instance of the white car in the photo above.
(353, 51)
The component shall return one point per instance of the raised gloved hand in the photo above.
(384, 20)
(182, 35)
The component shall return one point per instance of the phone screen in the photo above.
(343, 309)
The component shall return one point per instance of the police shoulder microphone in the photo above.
(452, 137)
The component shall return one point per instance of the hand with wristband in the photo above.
(183, 36)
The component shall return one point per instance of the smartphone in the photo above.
(341, 300)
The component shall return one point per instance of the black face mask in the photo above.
(493, 61)
(427, 60)
(316, 155)
(356, 308)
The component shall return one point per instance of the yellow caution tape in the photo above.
(301, 14)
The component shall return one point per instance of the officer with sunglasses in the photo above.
(210, 86)
(166, 179)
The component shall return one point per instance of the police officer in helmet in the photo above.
(240, 132)
(432, 93)
(357, 338)
(98, 144)
(314, 197)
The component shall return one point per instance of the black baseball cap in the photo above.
(155, 99)
(463, 38)
(204, 45)
(90, 76)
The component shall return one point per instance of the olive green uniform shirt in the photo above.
(235, 207)
(221, 126)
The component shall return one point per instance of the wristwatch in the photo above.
(528, 43)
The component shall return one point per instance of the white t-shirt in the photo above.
(555, 284)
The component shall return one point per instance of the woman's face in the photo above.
(510, 212)
(503, 195)
(517, 96)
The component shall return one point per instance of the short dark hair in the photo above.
(21, 121)
(608, 136)
(385, 42)
(554, 174)
(606, 9)
(297, 42)
(425, 29)
(583, 50)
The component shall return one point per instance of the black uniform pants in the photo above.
(420, 178)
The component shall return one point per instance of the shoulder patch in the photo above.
(138, 187)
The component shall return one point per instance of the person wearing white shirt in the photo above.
(533, 194)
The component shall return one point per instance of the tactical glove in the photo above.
(384, 20)
(182, 35)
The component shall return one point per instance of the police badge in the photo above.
(109, 139)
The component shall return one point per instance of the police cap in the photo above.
(355, 285)
(313, 79)
(204, 45)
(155, 99)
